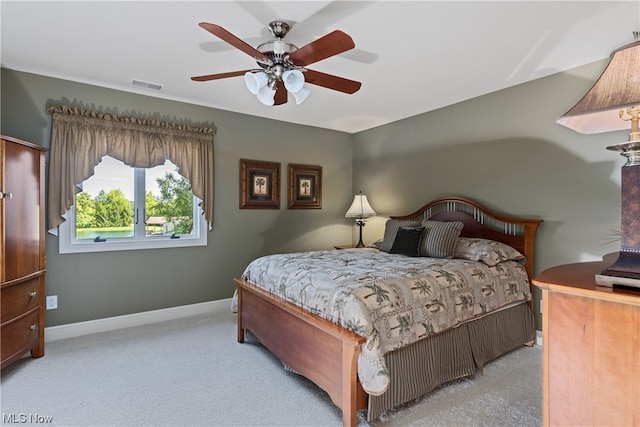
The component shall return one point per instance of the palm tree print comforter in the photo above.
(391, 300)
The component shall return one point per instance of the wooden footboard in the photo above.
(321, 351)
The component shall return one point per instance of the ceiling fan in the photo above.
(283, 65)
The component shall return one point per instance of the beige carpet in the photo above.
(192, 372)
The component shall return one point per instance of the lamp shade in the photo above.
(301, 95)
(293, 80)
(266, 95)
(360, 208)
(255, 81)
(617, 88)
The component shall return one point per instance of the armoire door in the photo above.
(21, 211)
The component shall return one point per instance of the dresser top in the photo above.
(579, 279)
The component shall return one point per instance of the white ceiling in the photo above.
(411, 57)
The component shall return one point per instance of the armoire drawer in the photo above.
(19, 299)
(19, 336)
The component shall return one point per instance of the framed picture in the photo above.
(259, 184)
(305, 187)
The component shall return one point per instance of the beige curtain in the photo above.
(80, 138)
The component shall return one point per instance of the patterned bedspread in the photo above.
(391, 300)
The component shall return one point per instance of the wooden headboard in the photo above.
(481, 222)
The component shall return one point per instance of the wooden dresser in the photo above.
(591, 348)
(22, 294)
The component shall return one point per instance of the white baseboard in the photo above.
(72, 330)
(78, 329)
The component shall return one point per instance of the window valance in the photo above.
(80, 138)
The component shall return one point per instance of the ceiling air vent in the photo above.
(146, 85)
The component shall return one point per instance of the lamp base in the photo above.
(360, 224)
(626, 270)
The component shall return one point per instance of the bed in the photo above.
(375, 339)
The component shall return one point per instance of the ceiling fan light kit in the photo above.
(283, 65)
(264, 86)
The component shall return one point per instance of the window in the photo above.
(80, 136)
(124, 208)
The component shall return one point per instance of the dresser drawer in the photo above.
(19, 336)
(19, 299)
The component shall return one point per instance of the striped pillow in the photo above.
(391, 230)
(440, 238)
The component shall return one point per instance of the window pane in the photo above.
(168, 202)
(105, 208)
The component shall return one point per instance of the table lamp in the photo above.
(360, 209)
(612, 102)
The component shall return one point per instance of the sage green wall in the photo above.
(504, 150)
(98, 285)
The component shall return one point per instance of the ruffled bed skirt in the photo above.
(419, 368)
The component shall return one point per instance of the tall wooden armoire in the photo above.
(22, 259)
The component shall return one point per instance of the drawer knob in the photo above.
(33, 294)
(33, 327)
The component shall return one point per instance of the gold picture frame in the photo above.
(259, 184)
(305, 187)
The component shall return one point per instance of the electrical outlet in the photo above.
(52, 302)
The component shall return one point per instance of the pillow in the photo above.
(391, 229)
(407, 241)
(440, 238)
(489, 252)
(375, 245)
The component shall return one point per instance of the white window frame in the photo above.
(68, 243)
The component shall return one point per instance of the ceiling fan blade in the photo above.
(331, 82)
(331, 44)
(281, 94)
(234, 41)
(208, 77)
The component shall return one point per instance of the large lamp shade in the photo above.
(617, 88)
